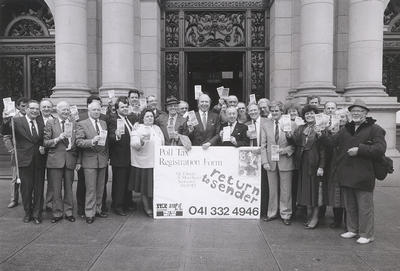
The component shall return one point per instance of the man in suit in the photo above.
(91, 138)
(183, 108)
(173, 123)
(277, 160)
(134, 103)
(120, 156)
(255, 141)
(63, 158)
(20, 105)
(46, 107)
(238, 131)
(205, 133)
(80, 188)
(31, 163)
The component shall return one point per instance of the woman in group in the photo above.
(144, 139)
(334, 193)
(243, 117)
(310, 160)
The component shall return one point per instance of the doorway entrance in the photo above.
(212, 70)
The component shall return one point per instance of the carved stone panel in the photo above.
(391, 73)
(215, 29)
(172, 74)
(197, 4)
(171, 29)
(258, 74)
(42, 76)
(257, 28)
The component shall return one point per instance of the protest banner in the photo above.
(206, 183)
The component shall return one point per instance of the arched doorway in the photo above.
(27, 54)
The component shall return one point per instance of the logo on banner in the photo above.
(169, 209)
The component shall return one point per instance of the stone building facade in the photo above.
(279, 49)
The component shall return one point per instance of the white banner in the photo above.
(220, 182)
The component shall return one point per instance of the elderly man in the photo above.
(91, 137)
(205, 133)
(237, 132)
(20, 105)
(277, 160)
(46, 108)
(63, 158)
(31, 160)
(359, 143)
(183, 108)
(255, 141)
(172, 124)
(120, 155)
(263, 106)
(232, 100)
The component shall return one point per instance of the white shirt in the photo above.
(30, 125)
(201, 113)
(46, 119)
(258, 130)
(279, 125)
(174, 119)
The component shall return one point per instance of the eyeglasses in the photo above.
(357, 111)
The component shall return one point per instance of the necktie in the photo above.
(276, 132)
(62, 125)
(33, 129)
(204, 120)
(97, 126)
(128, 123)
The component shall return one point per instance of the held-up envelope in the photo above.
(171, 131)
(103, 138)
(74, 112)
(9, 109)
(220, 91)
(226, 134)
(286, 123)
(143, 102)
(121, 126)
(299, 121)
(192, 118)
(274, 152)
(252, 130)
(111, 94)
(225, 93)
(319, 119)
(252, 99)
(197, 91)
(68, 129)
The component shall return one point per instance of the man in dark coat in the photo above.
(120, 155)
(205, 133)
(173, 123)
(359, 143)
(31, 160)
(238, 131)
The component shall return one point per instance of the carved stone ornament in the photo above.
(258, 73)
(215, 29)
(12, 76)
(171, 29)
(257, 28)
(42, 76)
(193, 4)
(171, 74)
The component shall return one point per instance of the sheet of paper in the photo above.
(7, 100)
(286, 123)
(9, 109)
(319, 119)
(68, 129)
(171, 131)
(226, 134)
(335, 123)
(142, 103)
(192, 118)
(252, 99)
(103, 138)
(252, 131)
(74, 112)
(121, 126)
(220, 91)
(197, 91)
(225, 93)
(111, 94)
(104, 110)
(274, 152)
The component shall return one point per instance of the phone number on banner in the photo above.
(223, 211)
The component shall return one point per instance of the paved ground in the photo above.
(137, 242)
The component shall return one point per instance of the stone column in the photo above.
(365, 49)
(316, 48)
(117, 46)
(71, 51)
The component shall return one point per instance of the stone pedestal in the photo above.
(365, 49)
(71, 52)
(117, 47)
(316, 49)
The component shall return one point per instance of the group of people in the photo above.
(305, 164)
